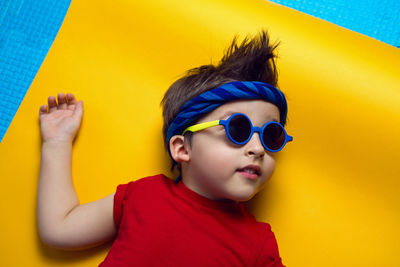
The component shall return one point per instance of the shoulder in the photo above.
(268, 250)
(147, 181)
(142, 185)
(266, 247)
(261, 230)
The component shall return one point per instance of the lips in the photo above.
(250, 171)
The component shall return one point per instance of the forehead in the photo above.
(257, 110)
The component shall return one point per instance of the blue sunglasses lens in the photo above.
(239, 128)
(273, 136)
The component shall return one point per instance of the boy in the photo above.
(222, 127)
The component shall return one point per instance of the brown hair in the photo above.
(252, 60)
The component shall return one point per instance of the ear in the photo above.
(179, 148)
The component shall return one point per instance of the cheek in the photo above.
(212, 152)
(269, 167)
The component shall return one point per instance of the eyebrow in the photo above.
(227, 114)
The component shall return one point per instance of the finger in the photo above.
(62, 101)
(78, 112)
(71, 101)
(52, 103)
(43, 109)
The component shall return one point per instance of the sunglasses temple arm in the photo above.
(201, 126)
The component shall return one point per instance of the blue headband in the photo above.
(206, 102)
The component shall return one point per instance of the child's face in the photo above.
(219, 169)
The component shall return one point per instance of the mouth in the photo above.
(250, 171)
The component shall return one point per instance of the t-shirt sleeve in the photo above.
(269, 254)
(118, 203)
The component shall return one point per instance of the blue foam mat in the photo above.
(27, 31)
(377, 19)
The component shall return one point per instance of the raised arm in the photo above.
(62, 221)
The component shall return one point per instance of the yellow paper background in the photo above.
(333, 200)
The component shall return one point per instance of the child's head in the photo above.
(219, 162)
(252, 60)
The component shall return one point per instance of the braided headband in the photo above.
(206, 102)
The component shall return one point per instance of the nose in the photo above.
(254, 148)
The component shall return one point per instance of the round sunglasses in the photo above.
(239, 130)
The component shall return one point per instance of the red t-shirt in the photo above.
(161, 223)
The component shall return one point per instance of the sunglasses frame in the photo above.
(225, 123)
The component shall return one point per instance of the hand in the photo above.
(60, 122)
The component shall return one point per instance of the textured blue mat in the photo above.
(377, 19)
(27, 31)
